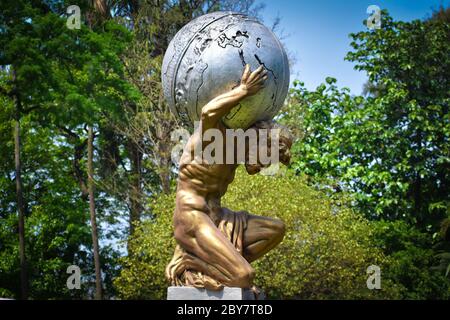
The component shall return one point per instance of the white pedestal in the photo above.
(192, 293)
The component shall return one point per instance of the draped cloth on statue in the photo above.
(180, 271)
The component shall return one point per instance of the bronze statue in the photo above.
(216, 245)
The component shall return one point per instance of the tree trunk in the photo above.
(165, 182)
(98, 274)
(19, 195)
(164, 166)
(21, 210)
(136, 188)
(421, 216)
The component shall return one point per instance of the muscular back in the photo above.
(209, 180)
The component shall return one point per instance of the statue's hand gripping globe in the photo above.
(206, 58)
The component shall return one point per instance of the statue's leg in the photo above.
(198, 235)
(261, 235)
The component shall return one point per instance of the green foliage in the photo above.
(391, 149)
(64, 80)
(57, 234)
(324, 255)
(412, 256)
(142, 274)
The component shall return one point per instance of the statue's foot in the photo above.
(256, 291)
(211, 284)
(200, 280)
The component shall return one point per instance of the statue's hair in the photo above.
(285, 138)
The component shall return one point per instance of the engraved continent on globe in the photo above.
(206, 58)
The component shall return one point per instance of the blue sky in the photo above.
(317, 33)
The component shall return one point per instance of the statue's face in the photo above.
(254, 168)
(283, 154)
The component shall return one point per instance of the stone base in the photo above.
(228, 293)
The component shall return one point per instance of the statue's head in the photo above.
(285, 140)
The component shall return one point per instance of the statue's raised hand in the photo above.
(252, 82)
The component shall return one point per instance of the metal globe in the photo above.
(207, 57)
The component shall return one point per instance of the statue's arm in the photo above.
(251, 83)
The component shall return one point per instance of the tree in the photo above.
(23, 63)
(415, 56)
(56, 233)
(63, 80)
(405, 176)
(389, 149)
(96, 86)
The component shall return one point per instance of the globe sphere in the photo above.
(206, 58)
